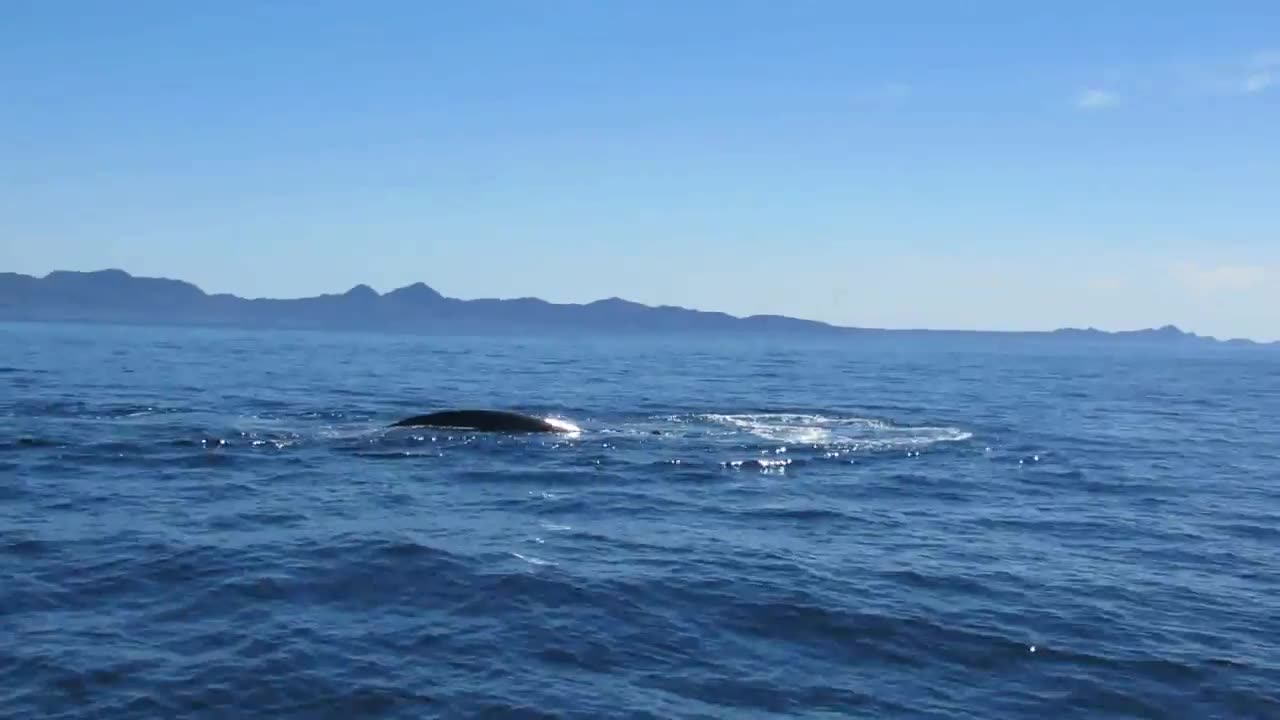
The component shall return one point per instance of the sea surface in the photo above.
(219, 524)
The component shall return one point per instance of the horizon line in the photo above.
(1091, 328)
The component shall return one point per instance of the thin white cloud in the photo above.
(1243, 74)
(1262, 72)
(1106, 282)
(1267, 59)
(1095, 99)
(1258, 82)
(1220, 278)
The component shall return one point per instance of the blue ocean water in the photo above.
(214, 523)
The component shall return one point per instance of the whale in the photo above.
(488, 421)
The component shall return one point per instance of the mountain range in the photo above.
(114, 295)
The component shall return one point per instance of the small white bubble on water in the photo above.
(533, 560)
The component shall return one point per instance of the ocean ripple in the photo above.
(222, 524)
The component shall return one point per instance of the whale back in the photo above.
(486, 420)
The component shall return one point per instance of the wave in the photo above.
(817, 429)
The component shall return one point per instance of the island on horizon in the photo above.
(116, 296)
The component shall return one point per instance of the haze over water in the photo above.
(201, 523)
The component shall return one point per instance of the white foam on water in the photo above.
(767, 465)
(533, 560)
(848, 433)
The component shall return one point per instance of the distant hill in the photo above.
(116, 296)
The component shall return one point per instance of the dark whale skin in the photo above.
(482, 420)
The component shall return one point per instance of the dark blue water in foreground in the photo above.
(216, 524)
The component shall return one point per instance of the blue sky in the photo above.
(1005, 166)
